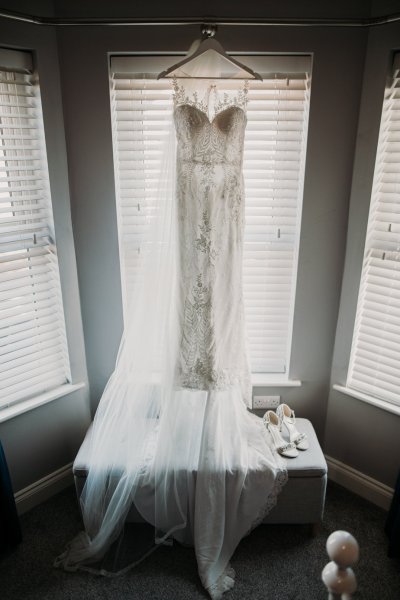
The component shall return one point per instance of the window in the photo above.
(274, 162)
(33, 349)
(374, 367)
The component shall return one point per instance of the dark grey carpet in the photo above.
(272, 563)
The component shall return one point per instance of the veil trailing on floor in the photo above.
(196, 464)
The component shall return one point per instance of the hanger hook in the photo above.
(208, 30)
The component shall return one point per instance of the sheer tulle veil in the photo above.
(140, 393)
(164, 448)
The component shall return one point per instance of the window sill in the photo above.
(270, 380)
(258, 380)
(383, 404)
(25, 405)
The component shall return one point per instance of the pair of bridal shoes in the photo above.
(287, 418)
(274, 422)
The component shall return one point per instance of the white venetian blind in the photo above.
(274, 160)
(375, 355)
(33, 350)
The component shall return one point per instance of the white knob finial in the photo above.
(338, 576)
(342, 548)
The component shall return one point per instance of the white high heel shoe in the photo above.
(287, 418)
(272, 423)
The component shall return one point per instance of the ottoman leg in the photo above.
(315, 529)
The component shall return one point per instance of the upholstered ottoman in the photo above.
(301, 500)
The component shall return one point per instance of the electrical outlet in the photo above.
(267, 402)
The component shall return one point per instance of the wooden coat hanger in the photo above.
(211, 45)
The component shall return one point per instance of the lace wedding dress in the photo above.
(212, 360)
(172, 433)
(210, 198)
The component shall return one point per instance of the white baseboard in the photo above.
(359, 483)
(41, 490)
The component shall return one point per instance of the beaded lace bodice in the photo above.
(210, 192)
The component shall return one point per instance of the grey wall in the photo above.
(44, 439)
(359, 434)
(337, 75)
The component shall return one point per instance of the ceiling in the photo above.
(303, 9)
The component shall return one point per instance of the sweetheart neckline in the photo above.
(206, 115)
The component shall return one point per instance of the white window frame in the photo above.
(28, 380)
(378, 313)
(276, 64)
